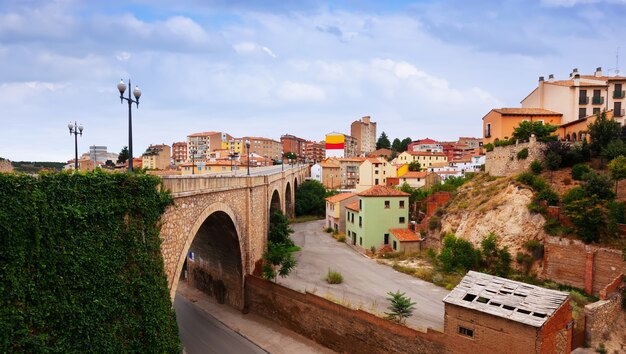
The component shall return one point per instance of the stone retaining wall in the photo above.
(503, 161)
(600, 317)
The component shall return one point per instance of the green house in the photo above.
(380, 219)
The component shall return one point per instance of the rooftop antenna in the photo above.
(616, 69)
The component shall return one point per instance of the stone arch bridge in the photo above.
(224, 222)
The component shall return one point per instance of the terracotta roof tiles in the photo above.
(526, 111)
(405, 235)
(340, 197)
(353, 206)
(382, 191)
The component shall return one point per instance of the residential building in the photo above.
(100, 154)
(314, 151)
(490, 314)
(157, 157)
(265, 147)
(235, 145)
(350, 147)
(335, 145)
(419, 179)
(386, 153)
(374, 171)
(349, 171)
(579, 96)
(179, 152)
(331, 170)
(499, 123)
(336, 210)
(425, 159)
(293, 144)
(577, 130)
(425, 145)
(84, 164)
(364, 130)
(472, 143)
(371, 221)
(316, 172)
(200, 168)
(205, 142)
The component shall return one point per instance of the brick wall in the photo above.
(600, 317)
(555, 337)
(583, 266)
(334, 326)
(502, 161)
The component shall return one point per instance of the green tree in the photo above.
(404, 145)
(587, 216)
(400, 307)
(310, 199)
(383, 142)
(415, 166)
(458, 254)
(617, 168)
(598, 185)
(496, 260)
(279, 259)
(614, 149)
(543, 132)
(396, 145)
(123, 156)
(602, 132)
(553, 161)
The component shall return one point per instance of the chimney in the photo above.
(577, 79)
(598, 71)
(574, 72)
(540, 78)
(551, 78)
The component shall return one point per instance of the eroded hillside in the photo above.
(499, 205)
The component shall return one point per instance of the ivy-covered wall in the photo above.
(80, 265)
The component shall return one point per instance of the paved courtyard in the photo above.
(365, 282)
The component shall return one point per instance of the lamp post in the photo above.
(76, 130)
(248, 151)
(137, 93)
(193, 161)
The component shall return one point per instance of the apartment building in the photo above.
(364, 130)
(205, 142)
(293, 144)
(234, 145)
(179, 152)
(264, 147)
(157, 157)
(314, 151)
(425, 159)
(499, 123)
(425, 145)
(330, 170)
(374, 171)
(349, 171)
(350, 147)
(579, 96)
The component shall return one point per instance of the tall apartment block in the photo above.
(314, 151)
(265, 147)
(179, 152)
(293, 144)
(205, 142)
(364, 130)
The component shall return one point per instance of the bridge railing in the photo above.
(198, 183)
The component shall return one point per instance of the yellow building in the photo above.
(201, 168)
(374, 171)
(499, 123)
(425, 159)
(331, 173)
(157, 157)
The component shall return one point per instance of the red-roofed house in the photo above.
(374, 171)
(425, 159)
(336, 210)
(425, 145)
(419, 179)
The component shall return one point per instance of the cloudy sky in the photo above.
(267, 68)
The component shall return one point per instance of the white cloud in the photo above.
(123, 56)
(300, 92)
(246, 48)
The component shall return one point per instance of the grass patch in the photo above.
(333, 277)
(305, 218)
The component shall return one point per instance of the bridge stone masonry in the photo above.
(225, 221)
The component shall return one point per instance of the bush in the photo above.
(549, 196)
(434, 223)
(458, 254)
(489, 147)
(329, 230)
(522, 154)
(553, 161)
(525, 260)
(310, 198)
(599, 185)
(333, 277)
(535, 248)
(341, 237)
(536, 167)
(373, 249)
(579, 170)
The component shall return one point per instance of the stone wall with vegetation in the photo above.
(81, 268)
(601, 316)
(510, 160)
(5, 165)
(339, 328)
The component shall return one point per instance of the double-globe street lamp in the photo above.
(248, 149)
(193, 153)
(76, 130)
(137, 93)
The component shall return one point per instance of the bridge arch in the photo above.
(217, 267)
(275, 204)
(288, 200)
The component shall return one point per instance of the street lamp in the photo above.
(76, 130)
(137, 93)
(193, 161)
(248, 149)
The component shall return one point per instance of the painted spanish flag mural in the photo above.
(334, 144)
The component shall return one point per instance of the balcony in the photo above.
(618, 94)
(597, 100)
(618, 113)
(583, 100)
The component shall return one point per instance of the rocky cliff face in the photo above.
(494, 205)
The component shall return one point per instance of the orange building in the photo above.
(499, 123)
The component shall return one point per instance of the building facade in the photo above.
(370, 219)
(179, 152)
(349, 171)
(335, 145)
(364, 130)
(351, 145)
(425, 145)
(157, 157)
(336, 210)
(374, 171)
(331, 171)
(205, 142)
(314, 151)
(265, 147)
(425, 159)
(500, 123)
(419, 179)
(579, 96)
(293, 144)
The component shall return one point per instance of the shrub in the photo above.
(434, 223)
(566, 181)
(579, 170)
(535, 247)
(522, 154)
(488, 147)
(341, 237)
(553, 161)
(549, 196)
(329, 230)
(599, 185)
(373, 249)
(614, 149)
(333, 277)
(458, 254)
(573, 194)
(525, 260)
(536, 167)
(400, 306)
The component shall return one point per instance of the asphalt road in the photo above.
(365, 283)
(202, 333)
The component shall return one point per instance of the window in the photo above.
(582, 112)
(376, 181)
(466, 331)
(360, 221)
(395, 248)
(402, 204)
(582, 98)
(386, 239)
(360, 204)
(617, 109)
(401, 220)
(596, 110)
(376, 172)
(361, 241)
(387, 204)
